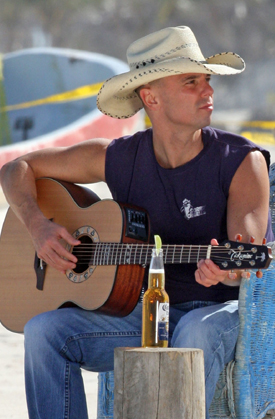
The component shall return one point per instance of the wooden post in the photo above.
(159, 383)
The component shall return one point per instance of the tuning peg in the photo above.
(259, 274)
(245, 274)
(238, 237)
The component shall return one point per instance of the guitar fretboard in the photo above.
(138, 254)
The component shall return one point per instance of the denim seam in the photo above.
(221, 334)
(96, 335)
(67, 392)
(100, 334)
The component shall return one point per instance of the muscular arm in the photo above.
(247, 214)
(82, 163)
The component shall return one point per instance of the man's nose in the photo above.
(207, 89)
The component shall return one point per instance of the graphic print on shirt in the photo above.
(191, 212)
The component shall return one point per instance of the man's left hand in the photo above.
(208, 273)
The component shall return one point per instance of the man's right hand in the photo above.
(49, 240)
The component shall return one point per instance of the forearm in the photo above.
(18, 184)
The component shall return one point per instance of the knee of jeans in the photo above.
(36, 331)
(192, 332)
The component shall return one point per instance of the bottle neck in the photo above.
(156, 271)
(156, 279)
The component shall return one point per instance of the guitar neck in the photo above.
(228, 256)
(140, 254)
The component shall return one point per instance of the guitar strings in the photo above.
(170, 247)
(105, 253)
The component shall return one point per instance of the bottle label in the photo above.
(163, 321)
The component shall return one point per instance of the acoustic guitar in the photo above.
(112, 256)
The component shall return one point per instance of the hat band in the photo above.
(172, 53)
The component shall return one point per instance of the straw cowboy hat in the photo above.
(168, 52)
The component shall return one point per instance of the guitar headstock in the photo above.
(236, 255)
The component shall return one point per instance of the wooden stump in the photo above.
(158, 383)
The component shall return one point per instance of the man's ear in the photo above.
(148, 97)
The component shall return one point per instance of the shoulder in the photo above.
(131, 141)
(124, 150)
(225, 137)
(121, 161)
(253, 163)
(233, 145)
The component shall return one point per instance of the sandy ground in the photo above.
(12, 392)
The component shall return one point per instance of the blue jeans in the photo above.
(59, 343)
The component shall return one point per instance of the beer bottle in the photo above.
(155, 310)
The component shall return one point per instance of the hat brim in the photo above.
(117, 97)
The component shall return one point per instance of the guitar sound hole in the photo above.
(83, 254)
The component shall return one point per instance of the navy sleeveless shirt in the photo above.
(186, 205)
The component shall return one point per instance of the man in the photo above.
(198, 185)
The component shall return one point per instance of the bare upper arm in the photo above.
(81, 163)
(248, 201)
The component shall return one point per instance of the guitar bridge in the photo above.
(40, 271)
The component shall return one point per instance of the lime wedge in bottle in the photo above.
(158, 243)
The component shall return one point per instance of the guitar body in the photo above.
(111, 289)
